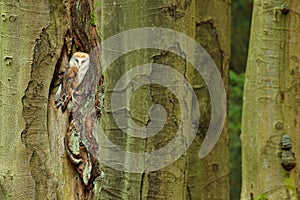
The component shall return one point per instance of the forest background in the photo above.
(240, 31)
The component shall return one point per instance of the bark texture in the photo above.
(208, 178)
(271, 103)
(37, 39)
(187, 177)
(169, 182)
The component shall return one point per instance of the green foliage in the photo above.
(262, 197)
(236, 99)
(93, 18)
(235, 115)
(240, 31)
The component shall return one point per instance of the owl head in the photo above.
(80, 60)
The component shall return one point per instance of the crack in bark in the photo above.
(142, 184)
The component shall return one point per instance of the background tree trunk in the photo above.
(211, 174)
(37, 39)
(169, 182)
(188, 177)
(271, 103)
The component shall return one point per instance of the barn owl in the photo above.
(73, 77)
(80, 144)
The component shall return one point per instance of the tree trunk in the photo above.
(270, 124)
(211, 174)
(38, 38)
(168, 182)
(186, 178)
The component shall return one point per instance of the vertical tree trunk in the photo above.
(187, 177)
(37, 39)
(31, 39)
(169, 182)
(211, 174)
(271, 103)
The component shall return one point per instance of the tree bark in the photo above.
(270, 110)
(169, 182)
(187, 177)
(37, 40)
(211, 174)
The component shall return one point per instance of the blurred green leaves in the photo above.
(235, 115)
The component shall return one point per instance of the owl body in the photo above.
(73, 77)
(80, 144)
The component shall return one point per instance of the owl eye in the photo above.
(83, 61)
(76, 60)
